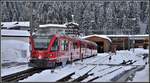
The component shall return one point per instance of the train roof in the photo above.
(76, 38)
(15, 33)
(53, 25)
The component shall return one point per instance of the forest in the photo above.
(103, 17)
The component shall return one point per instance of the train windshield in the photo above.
(42, 42)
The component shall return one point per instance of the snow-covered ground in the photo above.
(103, 58)
(11, 70)
(59, 73)
(103, 70)
(14, 51)
(99, 70)
(142, 76)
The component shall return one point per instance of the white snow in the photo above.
(14, 51)
(82, 71)
(48, 76)
(101, 36)
(121, 55)
(14, 24)
(53, 25)
(71, 23)
(108, 77)
(14, 47)
(144, 35)
(8, 71)
(14, 33)
(142, 76)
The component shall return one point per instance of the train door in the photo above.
(64, 50)
(75, 50)
(100, 47)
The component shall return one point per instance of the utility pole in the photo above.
(133, 41)
(31, 19)
(0, 14)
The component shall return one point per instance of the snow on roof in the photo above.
(14, 24)
(144, 35)
(72, 23)
(14, 33)
(53, 25)
(101, 36)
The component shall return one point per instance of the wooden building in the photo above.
(124, 42)
(103, 42)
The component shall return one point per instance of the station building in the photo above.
(103, 42)
(14, 46)
(124, 42)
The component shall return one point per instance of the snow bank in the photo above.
(8, 71)
(14, 33)
(14, 51)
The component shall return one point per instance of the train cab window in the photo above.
(41, 42)
(64, 45)
(55, 45)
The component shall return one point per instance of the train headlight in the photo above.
(40, 57)
(50, 55)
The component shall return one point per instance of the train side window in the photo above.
(64, 45)
(55, 45)
(74, 45)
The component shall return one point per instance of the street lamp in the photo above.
(72, 18)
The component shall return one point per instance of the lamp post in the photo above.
(133, 41)
(72, 18)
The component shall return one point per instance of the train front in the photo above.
(41, 55)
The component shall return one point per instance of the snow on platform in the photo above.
(12, 70)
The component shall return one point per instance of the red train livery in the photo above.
(47, 51)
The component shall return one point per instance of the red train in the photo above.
(47, 51)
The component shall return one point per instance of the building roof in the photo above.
(101, 36)
(14, 24)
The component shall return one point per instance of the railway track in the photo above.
(20, 75)
(68, 78)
